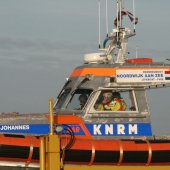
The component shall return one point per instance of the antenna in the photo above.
(134, 27)
(107, 30)
(117, 4)
(99, 21)
(120, 12)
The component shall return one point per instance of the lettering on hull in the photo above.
(118, 129)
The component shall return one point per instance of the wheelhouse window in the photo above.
(78, 99)
(116, 101)
(61, 98)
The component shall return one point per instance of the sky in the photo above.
(42, 41)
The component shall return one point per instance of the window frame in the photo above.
(71, 97)
(68, 90)
(92, 110)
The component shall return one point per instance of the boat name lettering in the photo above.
(14, 127)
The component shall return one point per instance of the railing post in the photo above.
(50, 146)
(42, 153)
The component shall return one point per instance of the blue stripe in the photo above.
(167, 78)
(129, 129)
(31, 129)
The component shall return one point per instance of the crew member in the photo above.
(118, 96)
(110, 102)
(82, 100)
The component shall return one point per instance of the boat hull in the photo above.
(89, 151)
(119, 152)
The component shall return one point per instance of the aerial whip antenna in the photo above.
(120, 12)
(107, 29)
(117, 7)
(134, 27)
(99, 21)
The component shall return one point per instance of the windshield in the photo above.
(79, 99)
(62, 98)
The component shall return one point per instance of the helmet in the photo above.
(116, 95)
(107, 96)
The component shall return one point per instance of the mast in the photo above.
(119, 36)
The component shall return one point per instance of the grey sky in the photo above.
(41, 41)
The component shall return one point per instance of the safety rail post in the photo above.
(50, 146)
(51, 116)
(42, 153)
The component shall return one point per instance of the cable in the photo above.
(68, 131)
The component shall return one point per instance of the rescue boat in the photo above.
(92, 136)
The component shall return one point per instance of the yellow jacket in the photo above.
(114, 105)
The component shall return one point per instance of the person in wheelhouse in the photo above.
(111, 101)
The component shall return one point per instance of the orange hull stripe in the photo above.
(112, 145)
(19, 141)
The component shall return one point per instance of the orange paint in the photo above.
(94, 71)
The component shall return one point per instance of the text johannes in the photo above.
(14, 127)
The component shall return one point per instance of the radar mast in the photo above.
(119, 36)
